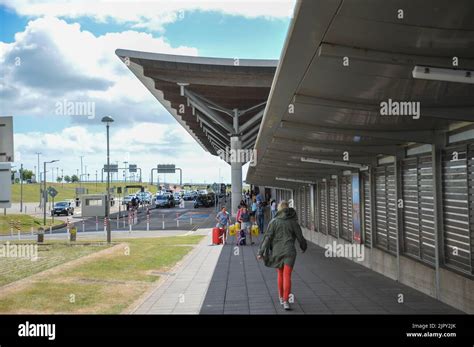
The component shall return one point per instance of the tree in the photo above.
(59, 179)
(67, 179)
(26, 174)
(74, 178)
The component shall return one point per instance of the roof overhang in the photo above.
(340, 62)
(204, 94)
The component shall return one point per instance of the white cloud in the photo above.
(52, 60)
(145, 144)
(151, 14)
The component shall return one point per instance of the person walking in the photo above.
(223, 221)
(253, 207)
(260, 216)
(278, 248)
(273, 208)
(245, 223)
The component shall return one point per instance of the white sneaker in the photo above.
(281, 301)
(286, 306)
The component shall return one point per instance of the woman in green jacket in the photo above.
(278, 248)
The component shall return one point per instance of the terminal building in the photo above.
(365, 124)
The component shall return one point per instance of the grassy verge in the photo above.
(49, 255)
(68, 190)
(106, 284)
(25, 222)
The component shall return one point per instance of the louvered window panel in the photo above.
(346, 207)
(333, 208)
(323, 207)
(418, 208)
(307, 205)
(385, 213)
(366, 213)
(458, 205)
(316, 206)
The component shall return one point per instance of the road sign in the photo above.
(5, 185)
(111, 168)
(166, 168)
(6, 139)
(215, 187)
(132, 168)
(52, 192)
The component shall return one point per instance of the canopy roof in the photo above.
(340, 61)
(202, 93)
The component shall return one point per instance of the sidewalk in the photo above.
(184, 288)
(242, 285)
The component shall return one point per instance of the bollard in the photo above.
(177, 220)
(191, 220)
(96, 223)
(148, 222)
(32, 231)
(118, 222)
(163, 220)
(19, 235)
(129, 223)
(50, 229)
(83, 225)
(105, 225)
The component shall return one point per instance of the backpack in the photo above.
(242, 238)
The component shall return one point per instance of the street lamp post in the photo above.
(107, 120)
(21, 188)
(38, 178)
(44, 189)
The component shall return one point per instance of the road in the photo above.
(187, 218)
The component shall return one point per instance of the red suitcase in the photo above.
(217, 234)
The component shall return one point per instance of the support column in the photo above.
(236, 173)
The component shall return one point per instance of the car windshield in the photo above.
(161, 197)
(61, 204)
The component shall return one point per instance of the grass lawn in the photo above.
(50, 254)
(106, 284)
(67, 190)
(24, 221)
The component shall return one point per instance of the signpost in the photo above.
(52, 193)
(111, 168)
(6, 157)
(166, 168)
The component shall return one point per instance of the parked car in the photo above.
(127, 199)
(187, 196)
(62, 207)
(203, 200)
(163, 201)
(145, 197)
(177, 198)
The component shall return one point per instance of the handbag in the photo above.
(233, 230)
(254, 230)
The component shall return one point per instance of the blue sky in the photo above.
(66, 53)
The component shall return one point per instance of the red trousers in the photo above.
(284, 281)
